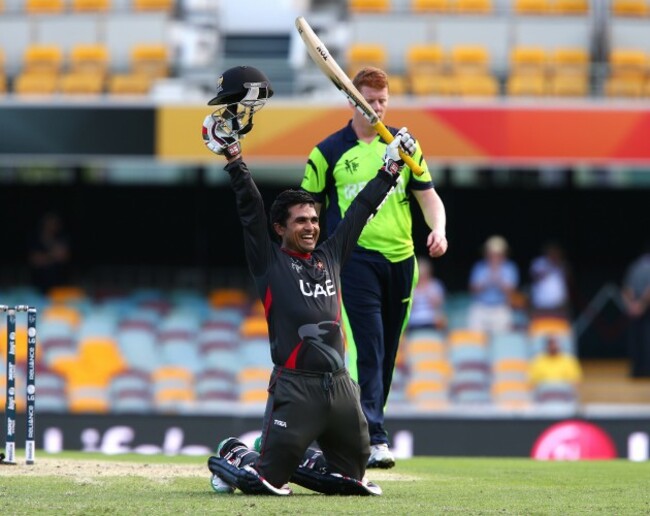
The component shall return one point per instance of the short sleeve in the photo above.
(424, 181)
(314, 180)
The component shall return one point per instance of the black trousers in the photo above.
(304, 407)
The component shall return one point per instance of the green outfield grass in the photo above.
(78, 483)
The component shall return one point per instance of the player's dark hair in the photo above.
(284, 201)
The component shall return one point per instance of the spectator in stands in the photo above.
(636, 297)
(428, 299)
(49, 253)
(549, 293)
(379, 276)
(492, 281)
(554, 365)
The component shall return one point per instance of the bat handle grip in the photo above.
(387, 137)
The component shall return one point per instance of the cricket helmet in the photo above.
(242, 84)
(241, 92)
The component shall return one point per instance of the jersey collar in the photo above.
(348, 132)
(304, 256)
(351, 136)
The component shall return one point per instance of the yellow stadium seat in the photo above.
(528, 61)
(3, 77)
(633, 8)
(368, 6)
(629, 63)
(511, 365)
(438, 367)
(432, 85)
(102, 356)
(397, 85)
(89, 59)
(36, 84)
(470, 59)
(477, 86)
(428, 347)
(228, 298)
(129, 84)
(502, 386)
(66, 366)
(150, 60)
(467, 337)
(417, 388)
(431, 6)
(631, 87)
(360, 55)
(532, 6)
(646, 88)
(66, 294)
(61, 312)
(546, 325)
(174, 395)
(474, 6)
(254, 396)
(173, 374)
(254, 326)
(42, 59)
(570, 61)
(424, 59)
(526, 86)
(79, 83)
(171, 400)
(90, 405)
(254, 374)
(44, 6)
(571, 7)
(568, 85)
(91, 5)
(153, 5)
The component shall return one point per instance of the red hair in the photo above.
(372, 77)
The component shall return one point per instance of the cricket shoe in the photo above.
(220, 486)
(380, 457)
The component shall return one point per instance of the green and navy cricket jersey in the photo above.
(337, 170)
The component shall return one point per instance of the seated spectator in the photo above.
(554, 366)
(492, 281)
(428, 298)
(549, 293)
(49, 254)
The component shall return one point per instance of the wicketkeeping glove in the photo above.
(217, 140)
(403, 141)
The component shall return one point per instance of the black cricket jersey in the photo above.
(301, 293)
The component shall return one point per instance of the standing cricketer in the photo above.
(378, 281)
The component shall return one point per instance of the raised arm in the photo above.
(250, 207)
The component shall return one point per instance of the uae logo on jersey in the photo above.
(296, 266)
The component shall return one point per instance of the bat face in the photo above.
(321, 56)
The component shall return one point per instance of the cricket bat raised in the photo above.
(321, 56)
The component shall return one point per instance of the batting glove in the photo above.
(403, 141)
(218, 141)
